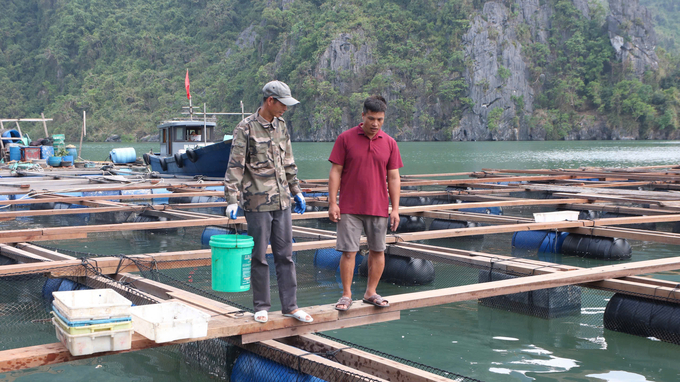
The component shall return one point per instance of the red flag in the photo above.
(186, 85)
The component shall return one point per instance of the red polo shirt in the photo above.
(363, 185)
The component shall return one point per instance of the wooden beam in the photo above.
(20, 255)
(319, 327)
(521, 284)
(369, 363)
(54, 353)
(640, 286)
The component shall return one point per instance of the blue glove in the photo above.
(231, 211)
(300, 205)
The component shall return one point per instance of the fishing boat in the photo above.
(189, 147)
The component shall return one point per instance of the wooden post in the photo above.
(191, 110)
(47, 135)
(19, 128)
(82, 133)
(2, 143)
(205, 122)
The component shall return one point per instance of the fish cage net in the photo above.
(25, 304)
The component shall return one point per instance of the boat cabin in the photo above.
(179, 136)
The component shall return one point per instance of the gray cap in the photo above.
(280, 91)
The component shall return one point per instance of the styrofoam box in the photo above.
(541, 217)
(169, 321)
(82, 344)
(91, 304)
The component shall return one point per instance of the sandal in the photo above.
(346, 301)
(377, 301)
(300, 315)
(261, 316)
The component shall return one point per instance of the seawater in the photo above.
(464, 338)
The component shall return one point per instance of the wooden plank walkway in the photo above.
(480, 188)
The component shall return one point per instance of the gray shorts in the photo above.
(349, 232)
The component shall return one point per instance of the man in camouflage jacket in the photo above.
(263, 175)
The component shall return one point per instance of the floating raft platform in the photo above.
(614, 204)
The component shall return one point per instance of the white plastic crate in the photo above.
(542, 217)
(91, 304)
(97, 342)
(169, 321)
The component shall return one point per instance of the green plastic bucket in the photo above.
(231, 256)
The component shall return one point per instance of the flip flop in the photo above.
(300, 315)
(377, 301)
(346, 301)
(261, 316)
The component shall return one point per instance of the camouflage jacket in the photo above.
(261, 171)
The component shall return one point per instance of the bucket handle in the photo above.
(229, 220)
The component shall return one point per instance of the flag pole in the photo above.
(187, 86)
(83, 131)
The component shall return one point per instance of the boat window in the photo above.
(193, 135)
(179, 134)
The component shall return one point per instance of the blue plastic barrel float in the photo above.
(15, 153)
(250, 367)
(544, 241)
(209, 231)
(123, 155)
(10, 134)
(72, 151)
(329, 258)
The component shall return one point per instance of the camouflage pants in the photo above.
(275, 227)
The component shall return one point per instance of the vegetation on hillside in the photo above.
(666, 22)
(587, 77)
(124, 62)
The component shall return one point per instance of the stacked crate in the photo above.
(92, 321)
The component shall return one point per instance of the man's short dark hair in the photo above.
(375, 104)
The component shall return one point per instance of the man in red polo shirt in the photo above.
(365, 167)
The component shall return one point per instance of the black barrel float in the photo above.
(544, 303)
(643, 317)
(411, 224)
(450, 224)
(411, 201)
(146, 159)
(6, 261)
(403, 270)
(596, 247)
(144, 218)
